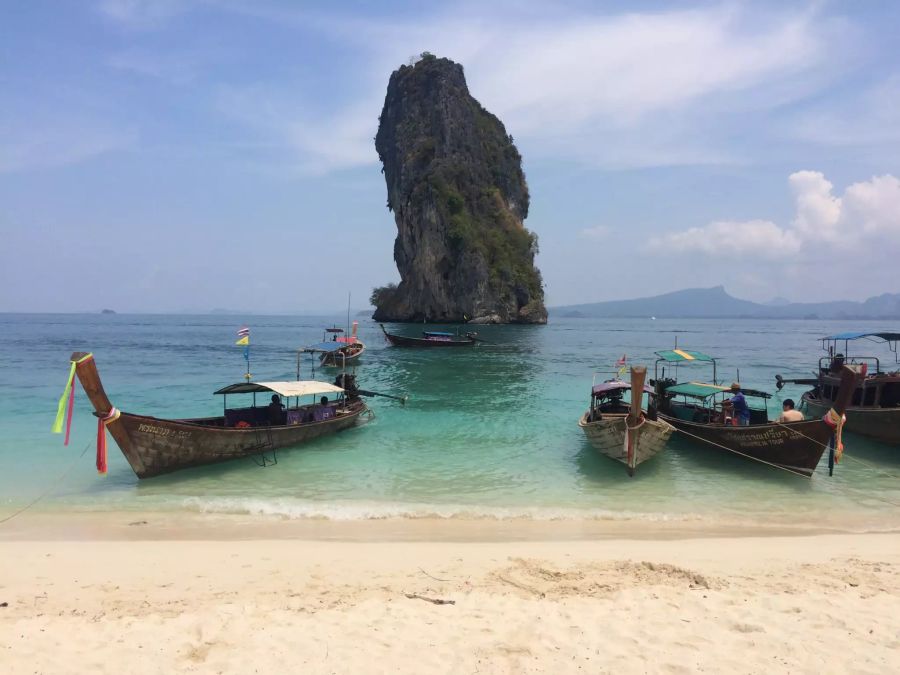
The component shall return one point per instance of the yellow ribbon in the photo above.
(61, 408)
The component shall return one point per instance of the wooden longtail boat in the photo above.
(794, 446)
(874, 409)
(341, 350)
(625, 432)
(155, 446)
(432, 339)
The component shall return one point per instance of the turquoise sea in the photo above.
(488, 432)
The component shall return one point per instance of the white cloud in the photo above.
(762, 237)
(56, 130)
(818, 210)
(175, 67)
(874, 207)
(870, 117)
(865, 219)
(598, 232)
(142, 14)
(631, 89)
(316, 142)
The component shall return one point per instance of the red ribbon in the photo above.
(111, 416)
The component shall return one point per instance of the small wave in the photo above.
(292, 509)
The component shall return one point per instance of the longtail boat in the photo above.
(155, 446)
(431, 338)
(625, 431)
(874, 409)
(341, 350)
(696, 410)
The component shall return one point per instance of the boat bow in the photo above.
(88, 375)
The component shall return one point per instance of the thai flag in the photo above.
(621, 362)
(243, 331)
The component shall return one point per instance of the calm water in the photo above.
(490, 431)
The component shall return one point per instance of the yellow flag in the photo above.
(243, 341)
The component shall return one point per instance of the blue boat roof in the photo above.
(328, 347)
(436, 333)
(853, 335)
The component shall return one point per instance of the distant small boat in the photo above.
(340, 350)
(625, 432)
(432, 338)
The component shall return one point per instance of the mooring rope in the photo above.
(53, 485)
(800, 433)
(738, 452)
(814, 440)
(855, 459)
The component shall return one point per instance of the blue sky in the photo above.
(171, 156)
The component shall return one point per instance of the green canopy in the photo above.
(682, 355)
(704, 390)
(696, 389)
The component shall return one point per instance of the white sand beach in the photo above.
(155, 602)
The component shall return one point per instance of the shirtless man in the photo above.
(789, 414)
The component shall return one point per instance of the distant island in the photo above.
(716, 303)
(107, 311)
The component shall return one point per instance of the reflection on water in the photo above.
(490, 429)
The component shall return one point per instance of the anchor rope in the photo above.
(738, 452)
(52, 486)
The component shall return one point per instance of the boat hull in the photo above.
(794, 446)
(155, 446)
(880, 424)
(335, 360)
(607, 436)
(402, 341)
(450, 341)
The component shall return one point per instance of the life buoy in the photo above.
(242, 425)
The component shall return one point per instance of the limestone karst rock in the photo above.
(459, 197)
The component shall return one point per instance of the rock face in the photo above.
(456, 187)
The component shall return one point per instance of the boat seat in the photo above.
(323, 413)
(255, 417)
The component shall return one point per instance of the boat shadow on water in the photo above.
(883, 455)
(602, 471)
(702, 460)
(273, 468)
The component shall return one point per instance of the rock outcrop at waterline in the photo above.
(456, 187)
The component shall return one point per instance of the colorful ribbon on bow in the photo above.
(68, 397)
(836, 422)
(102, 423)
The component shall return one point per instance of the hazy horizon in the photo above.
(175, 157)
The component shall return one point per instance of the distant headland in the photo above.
(716, 303)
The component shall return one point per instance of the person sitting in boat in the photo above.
(276, 411)
(739, 405)
(789, 414)
(837, 362)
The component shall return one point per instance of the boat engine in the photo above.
(347, 382)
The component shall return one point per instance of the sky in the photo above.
(168, 156)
